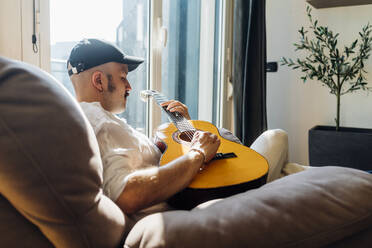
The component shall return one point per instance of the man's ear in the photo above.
(97, 80)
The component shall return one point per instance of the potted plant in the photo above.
(342, 71)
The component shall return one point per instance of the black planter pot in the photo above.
(348, 147)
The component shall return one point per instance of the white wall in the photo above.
(16, 29)
(11, 29)
(295, 106)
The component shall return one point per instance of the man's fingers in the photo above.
(166, 103)
(171, 103)
(196, 134)
(176, 108)
(207, 136)
(176, 105)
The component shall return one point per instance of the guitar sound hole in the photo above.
(185, 136)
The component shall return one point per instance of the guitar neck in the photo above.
(176, 118)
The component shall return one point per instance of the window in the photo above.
(180, 57)
(74, 20)
(122, 22)
(190, 65)
(132, 38)
(189, 59)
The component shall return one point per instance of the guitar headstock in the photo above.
(146, 94)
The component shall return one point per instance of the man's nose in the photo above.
(128, 86)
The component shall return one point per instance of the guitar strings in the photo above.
(188, 129)
(183, 125)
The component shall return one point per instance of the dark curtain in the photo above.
(249, 69)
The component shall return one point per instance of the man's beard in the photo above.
(110, 86)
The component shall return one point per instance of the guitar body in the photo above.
(219, 178)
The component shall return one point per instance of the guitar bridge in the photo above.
(221, 155)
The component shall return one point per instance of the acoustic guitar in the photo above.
(235, 168)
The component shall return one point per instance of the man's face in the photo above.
(116, 89)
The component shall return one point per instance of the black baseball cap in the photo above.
(89, 53)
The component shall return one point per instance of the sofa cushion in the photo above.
(50, 167)
(312, 208)
(14, 227)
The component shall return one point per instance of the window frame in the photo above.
(153, 112)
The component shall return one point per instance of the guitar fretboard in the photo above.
(178, 120)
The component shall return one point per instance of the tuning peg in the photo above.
(144, 95)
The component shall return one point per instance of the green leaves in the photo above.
(325, 62)
(341, 71)
(302, 32)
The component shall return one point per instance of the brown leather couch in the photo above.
(51, 196)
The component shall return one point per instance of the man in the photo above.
(131, 176)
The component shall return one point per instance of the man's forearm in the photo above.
(147, 187)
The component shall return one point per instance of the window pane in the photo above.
(180, 58)
(217, 63)
(123, 22)
(182, 55)
(132, 37)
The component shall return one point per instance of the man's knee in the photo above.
(273, 145)
(276, 135)
(271, 138)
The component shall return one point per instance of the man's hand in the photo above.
(153, 185)
(207, 143)
(174, 106)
